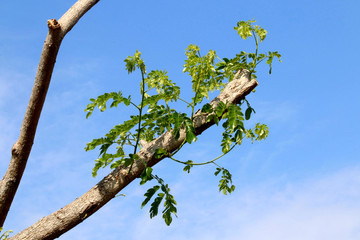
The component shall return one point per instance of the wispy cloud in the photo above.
(321, 207)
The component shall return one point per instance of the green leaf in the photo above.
(169, 209)
(149, 194)
(220, 109)
(190, 131)
(218, 170)
(100, 102)
(88, 115)
(133, 62)
(190, 137)
(262, 131)
(270, 59)
(205, 77)
(226, 142)
(167, 217)
(248, 113)
(160, 152)
(169, 203)
(244, 29)
(188, 166)
(260, 32)
(154, 209)
(207, 108)
(212, 117)
(148, 172)
(134, 156)
(146, 175)
(207, 74)
(128, 161)
(225, 183)
(5, 235)
(165, 88)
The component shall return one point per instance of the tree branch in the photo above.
(21, 149)
(59, 222)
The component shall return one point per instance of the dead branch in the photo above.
(21, 149)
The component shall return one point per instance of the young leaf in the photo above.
(244, 29)
(225, 180)
(135, 61)
(188, 166)
(262, 131)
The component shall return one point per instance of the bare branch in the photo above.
(73, 15)
(59, 222)
(21, 149)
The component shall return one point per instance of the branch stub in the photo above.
(53, 24)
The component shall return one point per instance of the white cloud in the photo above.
(321, 207)
(277, 111)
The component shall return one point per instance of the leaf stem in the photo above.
(203, 163)
(217, 164)
(140, 115)
(260, 61)
(134, 105)
(220, 59)
(185, 101)
(178, 149)
(196, 92)
(140, 110)
(256, 38)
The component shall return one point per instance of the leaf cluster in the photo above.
(204, 76)
(258, 133)
(5, 235)
(245, 60)
(147, 126)
(233, 123)
(169, 200)
(154, 115)
(133, 62)
(101, 101)
(165, 88)
(225, 183)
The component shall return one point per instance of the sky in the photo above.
(302, 182)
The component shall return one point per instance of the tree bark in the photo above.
(61, 221)
(21, 149)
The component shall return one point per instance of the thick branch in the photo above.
(59, 222)
(21, 149)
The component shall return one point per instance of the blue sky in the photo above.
(303, 182)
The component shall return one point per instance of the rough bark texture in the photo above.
(59, 222)
(21, 149)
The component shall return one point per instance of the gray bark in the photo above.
(59, 222)
(21, 149)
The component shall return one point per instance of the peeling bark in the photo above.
(59, 222)
(21, 149)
